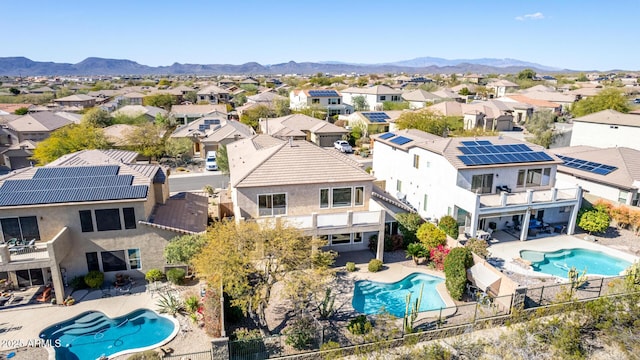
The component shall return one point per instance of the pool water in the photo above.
(559, 262)
(92, 334)
(372, 297)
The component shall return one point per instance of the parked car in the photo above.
(636, 101)
(210, 162)
(343, 146)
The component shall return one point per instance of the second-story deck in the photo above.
(528, 198)
(362, 220)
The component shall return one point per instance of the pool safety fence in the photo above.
(391, 332)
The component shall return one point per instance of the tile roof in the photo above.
(611, 117)
(212, 89)
(267, 161)
(76, 97)
(374, 90)
(448, 147)
(299, 123)
(420, 95)
(533, 102)
(627, 161)
(40, 121)
(198, 109)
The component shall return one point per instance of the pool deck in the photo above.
(20, 325)
(510, 250)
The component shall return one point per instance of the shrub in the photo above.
(594, 221)
(456, 264)
(94, 279)
(408, 224)
(375, 265)
(170, 304)
(242, 334)
(430, 236)
(391, 243)
(154, 275)
(300, 334)
(351, 266)
(145, 355)
(437, 256)
(176, 275)
(478, 247)
(359, 325)
(192, 304)
(78, 283)
(415, 251)
(449, 225)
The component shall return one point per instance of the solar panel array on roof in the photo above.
(321, 93)
(594, 167)
(76, 171)
(483, 152)
(211, 122)
(66, 183)
(385, 136)
(75, 195)
(376, 116)
(400, 140)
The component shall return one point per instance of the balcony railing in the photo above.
(528, 197)
(345, 219)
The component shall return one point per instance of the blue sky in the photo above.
(580, 35)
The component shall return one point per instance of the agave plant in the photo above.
(170, 304)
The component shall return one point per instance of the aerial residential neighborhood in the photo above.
(341, 203)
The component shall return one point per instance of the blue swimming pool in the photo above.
(92, 334)
(371, 297)
(559, 262)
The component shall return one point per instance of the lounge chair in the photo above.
(166, 351)
(46, 295)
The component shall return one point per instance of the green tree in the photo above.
(164, 101)
(21, 111)
(191, 97)
(526, 74)
(430, 236)
(281, 107)
(464, 91)
(610, 98)
(97, 117)
(147, 139)
(251, 117)
(456, 264)
(239, 99)
(63, 92)
(427, 121)
(395, 105)
(164, 82)
(449, 225)
(223, 159)
(594, 221)
(182, 249)
(14, 91)
(582, 77)
(249, 259)
(360, 103)
(541, 126)
(69, 139)
(408, 224)
(178, 148)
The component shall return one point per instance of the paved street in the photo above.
(196, 181)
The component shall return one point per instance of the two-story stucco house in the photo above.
(606, 128)
(320, 191)
(485, 183)
(303, 127)
(374, 96)
(326, 100)
(90, 210)
(214, 95)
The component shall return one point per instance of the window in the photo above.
(113, 261)
(399, 185)
(424, 202)
(134, 259)
(341, 197)
(546, 176)
(129, 218)
(395, 98)
(324, 198)
(357, 238)
(623, 196)
(334, 101)
(482, 183)
(383, 98)
(86, 221)
(272, 204)
(338, 239)
(521, 174)
(565, 209)
(636, 199)
(24, 227)
(108, 219)
(359, 198)
(534, 177)
(92, 261)
(315, 101)
(416, 161)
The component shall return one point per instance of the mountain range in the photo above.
(21, 66)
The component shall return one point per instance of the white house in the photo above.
(485, 183)
(374, 96)
(329, 100)
(607, 128)
(610, 174)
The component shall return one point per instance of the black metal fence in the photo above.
(454, 320)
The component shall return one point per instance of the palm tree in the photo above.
(416, 251)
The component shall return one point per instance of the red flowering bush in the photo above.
(437, 256)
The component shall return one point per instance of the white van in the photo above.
(210, 163)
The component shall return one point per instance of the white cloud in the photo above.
(534, 16)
